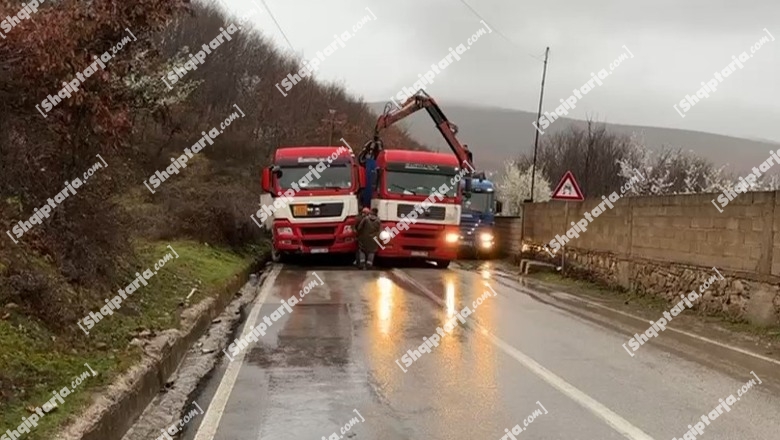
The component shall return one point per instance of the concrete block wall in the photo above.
(508, 233)
(677, 234)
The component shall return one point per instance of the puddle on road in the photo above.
(314, 335)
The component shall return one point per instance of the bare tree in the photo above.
(591, 153)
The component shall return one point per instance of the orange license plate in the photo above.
(299, 210)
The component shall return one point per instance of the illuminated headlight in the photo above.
(384, 236)
(487, 244)
(486, 236)
(348, 229)
(451, 237)
(284, 231)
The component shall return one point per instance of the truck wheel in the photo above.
(276, 256)
(442, 264)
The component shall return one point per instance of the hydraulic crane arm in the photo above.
(418, 101)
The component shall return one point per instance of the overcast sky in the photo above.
(676, 46)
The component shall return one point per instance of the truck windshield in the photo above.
(479, 202)
(336, 176)
(418, 183)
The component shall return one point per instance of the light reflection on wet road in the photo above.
(337, 352)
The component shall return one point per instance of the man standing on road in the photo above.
(364, 211)
(368, 232)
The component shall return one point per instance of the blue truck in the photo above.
(477, 219)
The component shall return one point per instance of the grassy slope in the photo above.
(37, 362)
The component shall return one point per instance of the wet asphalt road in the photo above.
(336, 358)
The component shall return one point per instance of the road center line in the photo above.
(208, 428)
(614, 420)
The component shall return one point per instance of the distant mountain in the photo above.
(496, 135)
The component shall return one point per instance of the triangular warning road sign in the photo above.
(568, 189)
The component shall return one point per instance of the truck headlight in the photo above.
(348, 229)
(451, 237)
(284, 231)
(384, 236)
(486, 236)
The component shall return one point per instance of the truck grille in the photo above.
(318, 230)
(423, 235)
(314, 210)
(424, 240)
(319, 243)
(432, 213)
(419, 248)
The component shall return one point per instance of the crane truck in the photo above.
(400, 181)
(309, 201)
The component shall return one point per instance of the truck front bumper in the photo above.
(475, 242)
(315, 238)
(420, 241)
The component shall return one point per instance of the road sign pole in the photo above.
(563, 254)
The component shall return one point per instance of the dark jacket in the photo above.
(358, 219)
(368, 230)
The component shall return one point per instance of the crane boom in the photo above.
(416, 102)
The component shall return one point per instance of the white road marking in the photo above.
(208, 428)
(527, 290)
(668, 328)
(325, 294)
(614, 420)
(617, 423)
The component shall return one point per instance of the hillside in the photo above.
(80, 217)
(497, 134)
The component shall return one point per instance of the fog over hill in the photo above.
(496, 135)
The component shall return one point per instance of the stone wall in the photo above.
(665, 245)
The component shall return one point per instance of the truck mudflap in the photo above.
(315, 238)
(420, 241)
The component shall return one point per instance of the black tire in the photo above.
(442, 264)
(279, 257)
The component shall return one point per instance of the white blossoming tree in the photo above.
(640, 162)
(670, 171)
(515, 186)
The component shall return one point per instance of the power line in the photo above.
(278, 26)
(509, 40)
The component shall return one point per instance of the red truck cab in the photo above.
(404, 182)
(309, 200)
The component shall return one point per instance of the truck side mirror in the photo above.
(265, 182)
(499, 207)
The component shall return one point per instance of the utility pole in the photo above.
(332, 116)
(332, 120)
(538, 117)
